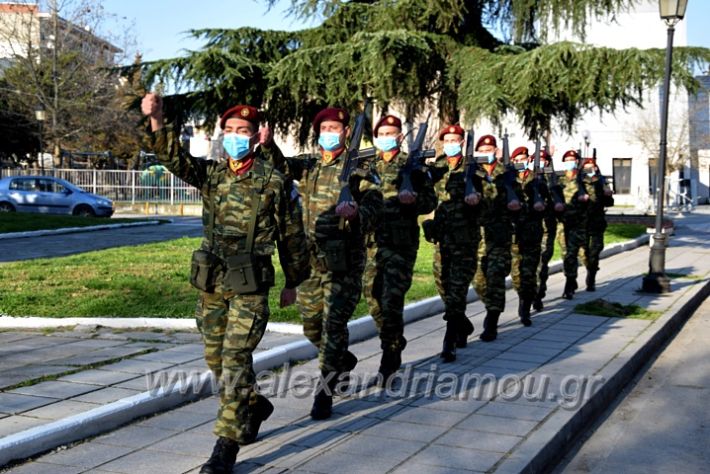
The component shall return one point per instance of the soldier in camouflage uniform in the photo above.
(549, 226)
(336, 243)
(574, 220)
(527, 242)
(455, 230)
(600, 197)
(245, 205)
(392, 248)
(497, 216)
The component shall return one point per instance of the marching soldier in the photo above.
(526, 248)
(549, 232)
(336, 242)
(455, 230)
(245, 210)
(392, 248)
(498, 211)
(574, 220)
(600, 197)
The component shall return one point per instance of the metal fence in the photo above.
(151, 185)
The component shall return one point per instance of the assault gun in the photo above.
(553, 181)
(416, 158)
(510, 174)
(581, 193)
(608, 201)
(471, 164)
(354, 156)
(537, 197)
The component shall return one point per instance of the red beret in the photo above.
(544, 155)
(245, 112)
(520, 151)
(456, 129)
(570, 153)
(333, 114)
(390, 120)
(589, 161)
(486, 140)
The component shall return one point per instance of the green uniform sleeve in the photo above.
(291, 244)
(370, 206)
(167, 148)
(426, 195)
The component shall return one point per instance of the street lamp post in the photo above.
(41, 116)
(656, 281)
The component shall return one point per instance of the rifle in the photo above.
(510, 173)
(537, 197)
(353, 157)
(416, 157)
(553, 181)
(581, 190)
(471, 164)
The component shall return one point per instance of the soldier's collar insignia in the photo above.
(454, 161)
(329, 157)
(239, 167)
(388, 156)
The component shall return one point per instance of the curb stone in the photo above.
(42, 438)
(74, 230)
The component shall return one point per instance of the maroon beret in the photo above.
(455, 129)
(333, 114)
(387, 120)
(519, 151)
(486, 140)
(570, 153)
(244, 112)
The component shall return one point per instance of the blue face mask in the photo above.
(569, 165)
(591, 174)
(329, 141)
(386, 143)
(237, 146)
(452, 149)
(531, 166)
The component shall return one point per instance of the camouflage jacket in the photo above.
(494, 208)
(596, 219)
(575, 211)
(232, 198)
(319, 186)
(398, 217)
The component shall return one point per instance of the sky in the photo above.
(160, 25)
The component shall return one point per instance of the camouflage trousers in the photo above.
(326, 301)
(573, 239)
(592, 249)
(547, 250)
(231, 327)
(494, 265)
(454, 267)
(387, 278)
(525, 256)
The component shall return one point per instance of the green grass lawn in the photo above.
(152, 280)
(26, 221)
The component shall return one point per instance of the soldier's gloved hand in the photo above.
(514, 205)
(407, 197)
(288, 297)
(583, 198)
(472, 199)
(559, 207)
(608, 192)
(539, 206)
(347, 210)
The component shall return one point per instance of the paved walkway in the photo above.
(69, 244)
(663, 419)
(503, 406)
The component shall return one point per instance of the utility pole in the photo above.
(55, 82)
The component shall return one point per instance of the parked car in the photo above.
(50, 195)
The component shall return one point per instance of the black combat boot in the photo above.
(537, 304)
(349, 361)
(570, 286)
(323, 401)
(389, 364)
(591, 280)
(223, 457)
(465, 329)
(448, 352)
(524, 312)
(258, 413)
(490, 326)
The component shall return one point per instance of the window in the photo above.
(50, 186)
(24, 184)
(622, 175)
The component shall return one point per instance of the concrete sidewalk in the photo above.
(507, 406)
